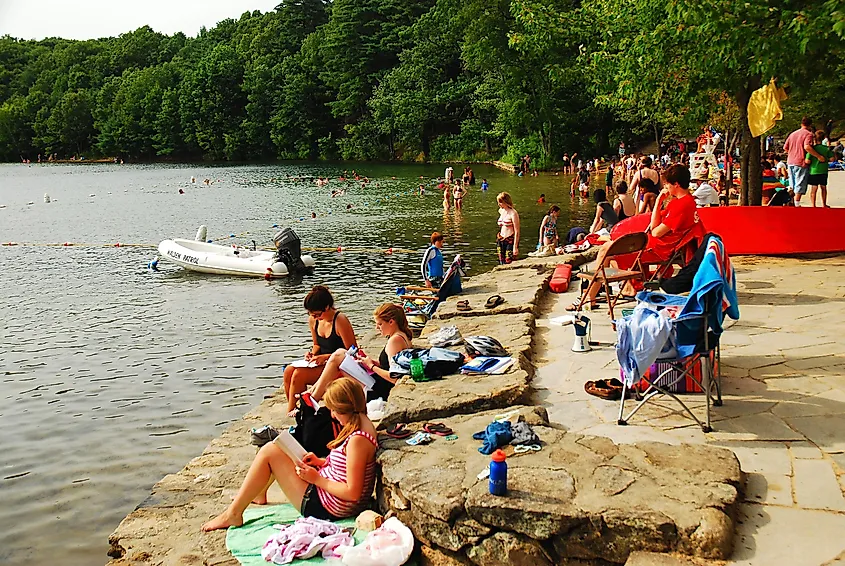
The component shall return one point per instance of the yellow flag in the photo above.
(764, 108)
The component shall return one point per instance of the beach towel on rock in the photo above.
(245, 542)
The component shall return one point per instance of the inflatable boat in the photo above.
(206, 257)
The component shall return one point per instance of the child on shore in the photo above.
(818, 169)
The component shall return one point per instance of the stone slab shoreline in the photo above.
(582, 500)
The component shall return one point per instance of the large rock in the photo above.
(520, 288)
(579, 499)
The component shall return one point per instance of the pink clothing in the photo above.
(304, 539)
(335, 470)
(794, 145)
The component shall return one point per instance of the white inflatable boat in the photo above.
(234, 260)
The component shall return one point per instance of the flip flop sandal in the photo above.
(521, 448)
(574, 306)
(398, 431)
(437, 428)
(494, 301)
(463, 306)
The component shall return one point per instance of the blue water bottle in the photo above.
(498, 474)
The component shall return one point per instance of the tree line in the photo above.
(422, 80)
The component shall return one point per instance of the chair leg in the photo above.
(610, 301)
(704, 363)
(619, 420)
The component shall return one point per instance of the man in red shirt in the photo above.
(669, 227)
(799, 143)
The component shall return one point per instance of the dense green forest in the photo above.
(421, 79)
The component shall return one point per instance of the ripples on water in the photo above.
(113, 376)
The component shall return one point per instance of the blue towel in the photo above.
(714, 286)
(494, 436)
(642, 338)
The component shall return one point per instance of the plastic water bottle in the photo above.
(417, 370)
(498, 474)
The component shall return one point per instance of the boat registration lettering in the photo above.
(186, 258)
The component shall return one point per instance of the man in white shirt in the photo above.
(705, 194)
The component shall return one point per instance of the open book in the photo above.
(303, 364)
(290, 446)
(353, 368)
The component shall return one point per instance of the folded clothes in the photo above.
(496, 435)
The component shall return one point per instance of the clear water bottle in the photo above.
(498, 474)
(417, 369)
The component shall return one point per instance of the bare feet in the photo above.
(222, 521)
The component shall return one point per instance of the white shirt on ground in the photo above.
(706, 195)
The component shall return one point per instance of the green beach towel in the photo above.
(245, 542)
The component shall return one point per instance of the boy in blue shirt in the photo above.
(432, 262)
(484, 185)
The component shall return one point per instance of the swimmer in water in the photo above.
(422, 190)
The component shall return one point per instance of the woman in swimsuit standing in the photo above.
(335, 333)
(391, 322)
(507, 240)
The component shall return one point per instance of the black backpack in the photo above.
(315, 428)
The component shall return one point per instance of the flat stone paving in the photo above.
(783, 378)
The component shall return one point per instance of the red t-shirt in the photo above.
(682, 220)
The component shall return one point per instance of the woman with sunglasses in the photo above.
(330, 331)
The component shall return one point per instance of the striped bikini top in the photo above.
(335, 470)
(505, 220)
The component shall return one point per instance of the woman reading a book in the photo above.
(330, 331)
(336, 487)
(390, 322)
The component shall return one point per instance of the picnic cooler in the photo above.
(685, 385)
(560, 278)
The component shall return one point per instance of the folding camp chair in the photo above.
(604, 276)
(705, 357)
(663, 269)
(694, 335)
(420, 303)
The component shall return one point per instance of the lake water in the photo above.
(113, 376)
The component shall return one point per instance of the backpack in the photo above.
(315, 427)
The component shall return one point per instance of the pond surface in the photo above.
(113, 375)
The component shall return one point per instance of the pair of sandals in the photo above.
(400, 431)
(609, 389)
(491, 303)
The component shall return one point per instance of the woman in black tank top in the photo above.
(391, 322)
(605, 215)
(330, 331)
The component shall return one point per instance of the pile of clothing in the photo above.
(501, 433)
(304, 539)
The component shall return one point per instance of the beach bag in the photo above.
(315, 427)
(437, 362)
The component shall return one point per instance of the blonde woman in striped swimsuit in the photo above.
(336, 487)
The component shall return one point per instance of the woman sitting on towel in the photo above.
(336, 487)
(334, 333)
(390, 322)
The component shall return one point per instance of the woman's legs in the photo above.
(330, 372)
(269, 462)
(300, 379)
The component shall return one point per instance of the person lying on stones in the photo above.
(334, 333)
(333, 488)
(390, 322)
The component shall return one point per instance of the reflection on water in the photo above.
(113, 376)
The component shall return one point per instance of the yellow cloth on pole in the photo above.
(764, 108)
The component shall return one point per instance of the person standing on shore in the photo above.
(507, 240)
(818, 169)
(432, 262)
(645, 172)
(797, 146)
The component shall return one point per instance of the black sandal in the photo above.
(463, 306)
(398, 431)
(494, 301)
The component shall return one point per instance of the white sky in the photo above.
(89, 19)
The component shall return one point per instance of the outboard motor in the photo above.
(289, 250)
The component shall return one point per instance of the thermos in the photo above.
(498, 474)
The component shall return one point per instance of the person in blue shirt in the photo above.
(484, 185)
(432, 262)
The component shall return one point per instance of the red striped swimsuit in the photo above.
(335, 470)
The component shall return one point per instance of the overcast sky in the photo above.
(88, 19)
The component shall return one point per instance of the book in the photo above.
(353, 368)
(304, 364)
(290, 446)
(487, 365)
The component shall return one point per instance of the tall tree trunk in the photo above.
(657, 139)
(751, 190)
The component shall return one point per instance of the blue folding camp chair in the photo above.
(691, 337)
(420, 303)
